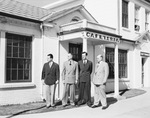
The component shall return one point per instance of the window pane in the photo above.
(27, 64)
(15, 51)
(21, 52)
(26, 74)
(15, 42)
(21, 43)
(20, 74)
(14, 63)
(8, 63)
(20, 64)
(14, 74)
(8, 76)
(9, 42)
(9, 51)
(27, 53)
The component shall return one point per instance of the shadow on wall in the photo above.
(123, 85)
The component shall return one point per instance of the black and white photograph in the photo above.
(74, 59)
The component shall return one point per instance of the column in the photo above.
(84, 44)
(116, 84)
(2, 56)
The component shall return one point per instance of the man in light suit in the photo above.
(50, 74)
(99, 81)
(85, 70)
(70, 77)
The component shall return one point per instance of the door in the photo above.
(143, 70)
(76, 50)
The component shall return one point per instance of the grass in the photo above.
(39, 107)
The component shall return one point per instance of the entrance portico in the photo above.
(89, 33)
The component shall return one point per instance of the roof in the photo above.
(22, 10)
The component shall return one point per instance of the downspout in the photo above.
(118, 17)
(42, 33)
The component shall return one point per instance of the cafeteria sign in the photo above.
(102, 37)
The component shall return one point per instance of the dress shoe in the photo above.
(94, 106)
(72, 104)
(48, 106)
(65, 105)
(104, 107)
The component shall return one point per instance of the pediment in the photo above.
(143, 37)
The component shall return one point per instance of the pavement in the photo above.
(135, 107)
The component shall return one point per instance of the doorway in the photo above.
(143, 70)
(76, 50)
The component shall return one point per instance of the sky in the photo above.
(39, 3)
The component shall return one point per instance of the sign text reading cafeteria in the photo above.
(102, 37)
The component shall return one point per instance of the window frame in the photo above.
(147, 13)
(136, 18)
(23, 59)
(125, 14)
(111, 63)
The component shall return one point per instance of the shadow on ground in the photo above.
(39, 107)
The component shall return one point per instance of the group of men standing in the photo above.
(76, 73)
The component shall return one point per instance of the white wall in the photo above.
(104, 11)
(16, 93)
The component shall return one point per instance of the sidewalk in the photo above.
(135, 107)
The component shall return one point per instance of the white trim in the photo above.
(17, 85)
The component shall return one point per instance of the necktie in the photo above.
(84, 62)
(50, 64)
(69, 62)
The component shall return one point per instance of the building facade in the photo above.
(121, 34)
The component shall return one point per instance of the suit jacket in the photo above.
(101, 73)
(85, 71)
(70, 72)
(50, 74)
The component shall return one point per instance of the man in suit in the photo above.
(85, 70)
(50, 74)
(99, 80)
(70, 77)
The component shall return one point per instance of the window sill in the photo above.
(137, 32)
(126, 29)
(120, 80)
(17, 86)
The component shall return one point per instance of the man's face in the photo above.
(49, 59)
(84, 56)
(99, 58)
(69, 56)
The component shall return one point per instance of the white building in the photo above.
(117, 29)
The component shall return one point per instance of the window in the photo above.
(136, 21)
(76, 51)
(124, 14)
(18, 56)
(146, 20)
(75, 19)
(122, 62)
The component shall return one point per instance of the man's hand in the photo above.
(57, 82)
(76, 81)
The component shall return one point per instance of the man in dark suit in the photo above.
(85, 70)
(50, 74)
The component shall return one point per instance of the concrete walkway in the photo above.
(136, 107)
